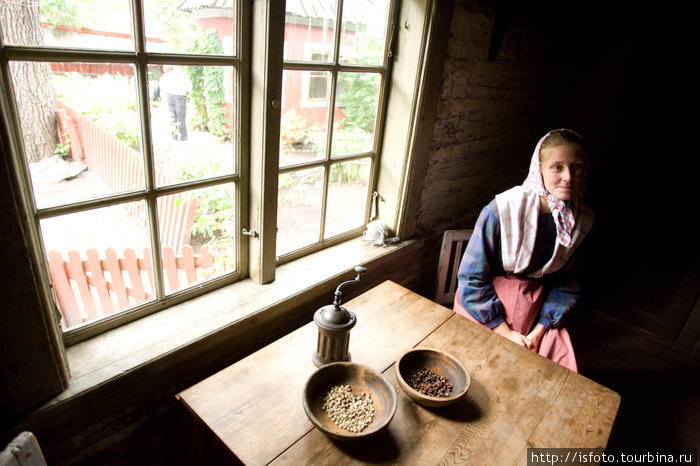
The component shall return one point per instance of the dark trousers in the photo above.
(177, 108)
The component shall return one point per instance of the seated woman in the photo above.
(516, 275)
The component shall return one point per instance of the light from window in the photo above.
(329, 81)
(299, 208)
(318, 85)
(180, 110)
(305, 24)
(135, 190)
(176, 26)
(85, 24)
(347, 200)
(353, 128)
(304, 128)
(364, 32)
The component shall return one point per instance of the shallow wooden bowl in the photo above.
(442, 364)
(362, 379)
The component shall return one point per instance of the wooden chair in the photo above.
(454, 242)
(24, 450)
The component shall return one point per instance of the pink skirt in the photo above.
(522, 301)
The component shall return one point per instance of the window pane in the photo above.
(191, 121)
(309, 30)
(79, 120)
(299, 209)
(363, 33)
(197, 231)
(318, 85)
(353, 127)
(190, 27)
(303, 126)
(92, 24)
(99, 260)
(347, 196)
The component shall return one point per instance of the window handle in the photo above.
(392, 36)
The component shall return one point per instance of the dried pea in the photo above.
(347, 410)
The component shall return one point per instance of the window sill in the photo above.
(222, 325)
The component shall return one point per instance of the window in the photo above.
(318, 86)
(248, 177)
(139, 198)
(334, 83)
(129, 145)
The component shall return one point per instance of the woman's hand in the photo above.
(535, 336)
(505, 331)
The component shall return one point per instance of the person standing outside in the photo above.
(175, 86)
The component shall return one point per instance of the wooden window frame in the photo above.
(140, 59)
(405, 147)
(334, 67)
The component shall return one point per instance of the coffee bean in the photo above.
(429, 383)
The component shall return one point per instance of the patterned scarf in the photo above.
(518, 209)
(561, 211)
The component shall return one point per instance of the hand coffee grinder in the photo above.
(334, 324)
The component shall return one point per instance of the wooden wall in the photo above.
(619, 76)
(507, 81)
(621, 79)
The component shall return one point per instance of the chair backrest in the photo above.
(23, 450)
(454, 242)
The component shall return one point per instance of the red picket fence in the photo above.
(96, 287)
(121, 168)
(93, 69)
(100, 286)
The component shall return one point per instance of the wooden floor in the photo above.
(660, 389)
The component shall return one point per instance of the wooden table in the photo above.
(517, 399)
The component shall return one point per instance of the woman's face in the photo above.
(562, 170)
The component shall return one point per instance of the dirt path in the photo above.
(58, 182)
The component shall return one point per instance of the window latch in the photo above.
(376, 197)
(251, 233)
(392, 36)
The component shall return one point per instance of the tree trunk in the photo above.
(32, 83)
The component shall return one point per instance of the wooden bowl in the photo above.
(442, 364)
(362, 379)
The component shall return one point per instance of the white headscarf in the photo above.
(561, 210)
(518, 209)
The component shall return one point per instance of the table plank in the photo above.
(517, 400)
(254, 406)
(581, 416)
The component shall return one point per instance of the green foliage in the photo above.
(359, 99)
(214, 217)
(179, 25)
(208, 95)
(367, 48)
(126, 132)
(60, 13)
(109, 101)
(355, 172)
(348, 138)
(154, 74)
(358, 92)
(63, 150)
